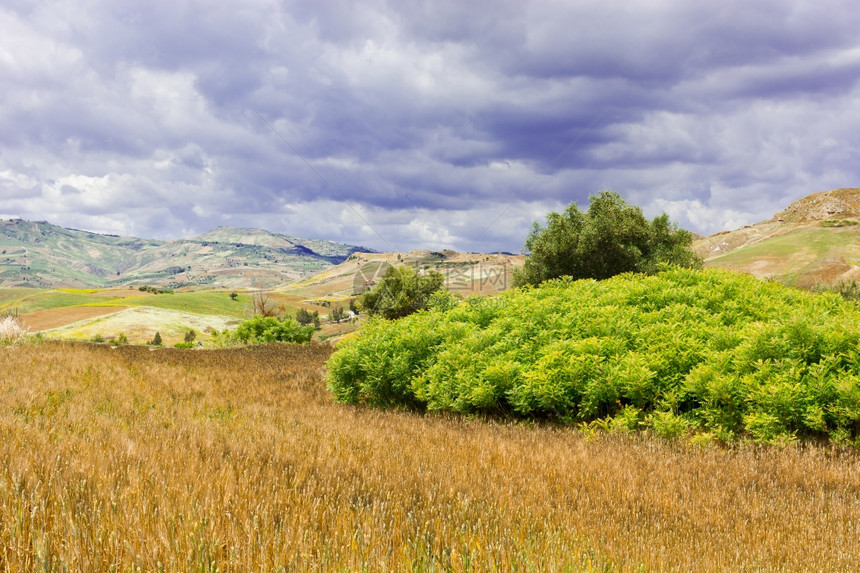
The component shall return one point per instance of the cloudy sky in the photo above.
(400, 125)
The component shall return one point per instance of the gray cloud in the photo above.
(443, 124)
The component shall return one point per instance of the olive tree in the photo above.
(401, 291)
(611, 238)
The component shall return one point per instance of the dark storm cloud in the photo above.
(443, 124)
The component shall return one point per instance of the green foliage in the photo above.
(122, 339)
(401, 291)
(154, 290)
(305, 317)
(681, 352)
(190, 336)
(268, 329)
(338, 314)
(156, 340)
(443, 300)
(832, 223)
(611, 238)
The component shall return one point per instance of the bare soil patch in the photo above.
(57, 317)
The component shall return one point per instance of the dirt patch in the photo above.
(57, 317)
(825, 275)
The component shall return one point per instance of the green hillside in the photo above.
(804, 256)
(815, 241)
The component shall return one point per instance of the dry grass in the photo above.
(11, 330)
(237, 460)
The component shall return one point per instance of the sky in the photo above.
(408, 125)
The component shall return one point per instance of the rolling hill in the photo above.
(38, 254)
(814, 241)
(465, 273)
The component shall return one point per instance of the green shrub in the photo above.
(678, 352)
(267, 329)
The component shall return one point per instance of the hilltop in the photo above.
(815, 240)
(38, 254)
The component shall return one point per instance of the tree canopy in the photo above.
(401, 291)
(611, 238)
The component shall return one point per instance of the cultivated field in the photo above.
(238, 460)
(86, 314)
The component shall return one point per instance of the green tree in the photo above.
(611, 238)
(156, 341)
(190, 336)
(401, 291)
(337, 314)
(305, 317)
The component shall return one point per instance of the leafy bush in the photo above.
(679, 352)
(267, 329)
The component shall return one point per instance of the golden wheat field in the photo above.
(238, 460)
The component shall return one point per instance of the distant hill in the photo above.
(464, 273)
(41, 255)
(814, 241)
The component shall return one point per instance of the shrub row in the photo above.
(709, 353)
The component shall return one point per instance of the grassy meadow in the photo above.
(128, 459)
(804, 257)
